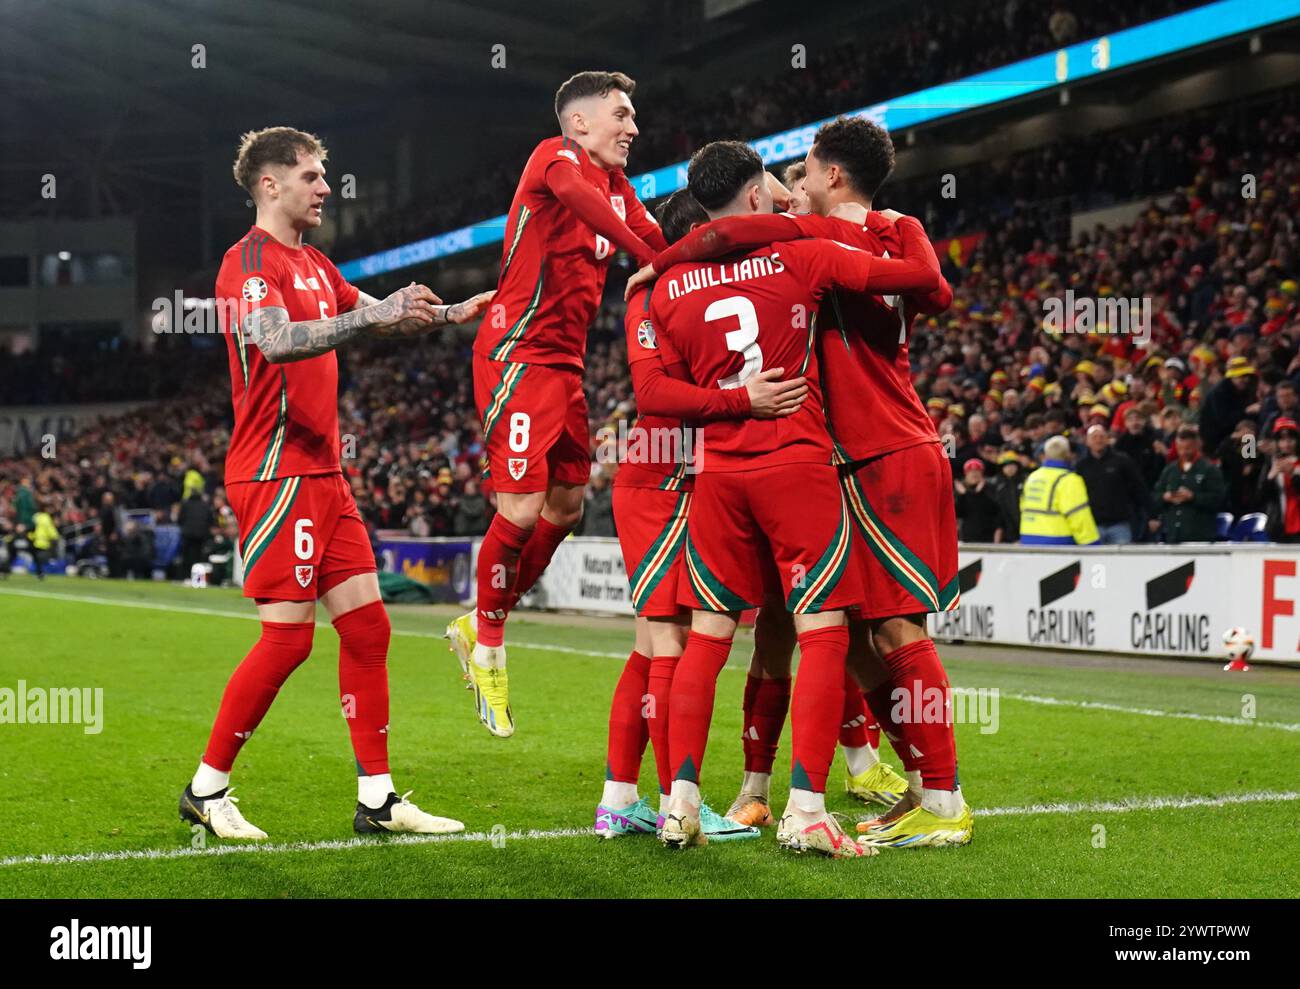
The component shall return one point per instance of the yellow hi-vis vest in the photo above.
(1054, 508)
(44, 533)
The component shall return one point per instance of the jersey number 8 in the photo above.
(519, 426)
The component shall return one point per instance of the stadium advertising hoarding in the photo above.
(445, 565)
(584, 575)
(1154, 601)
(1086, 59)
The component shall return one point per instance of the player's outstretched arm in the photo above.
(915, 273)
(282, 340)
(568, 186)
(716, 238)
(929, 303)
(727, 235)
(457, 312)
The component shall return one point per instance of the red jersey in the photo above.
(553, 265)
(730, 319)
(871, 403)
(655, 444)
(286, 415)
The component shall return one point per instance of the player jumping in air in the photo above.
(768, 511)
(572, 210)
(896, 478)
(652, 495)
(285, 308)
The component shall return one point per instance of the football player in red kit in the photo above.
(285, 308)
(768, 511)
(896, 478)
(572, 210)
(652, 493)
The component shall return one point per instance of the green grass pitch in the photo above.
(1108, 794)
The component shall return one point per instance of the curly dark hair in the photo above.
(861, 148)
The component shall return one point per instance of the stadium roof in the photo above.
(114, 70)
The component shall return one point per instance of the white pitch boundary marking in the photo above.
(1149, 712)
(183, 610)
(1143, 803)
(1025, 698)
(344, 845)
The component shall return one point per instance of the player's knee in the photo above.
(521, 509)
(774, 640)
(365, 633)
(668, 636)
(894, 633)
(287, 645)
(566, 517)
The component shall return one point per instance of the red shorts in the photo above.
(651, 526)
(299, 537)
(905, 530)
(534, 424)
(751, 532)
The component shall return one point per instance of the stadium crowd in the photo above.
(1209, 378)
(931, 42)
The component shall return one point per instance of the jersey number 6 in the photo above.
(743, 340)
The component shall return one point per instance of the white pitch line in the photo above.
(183, 610)
(1149, 712)
(1143, 803)
(273, 848)
(1025, 698)
(343, 845)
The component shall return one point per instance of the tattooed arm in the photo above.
(457, 312)
(407, 311)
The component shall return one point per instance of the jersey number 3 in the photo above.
(743, 340)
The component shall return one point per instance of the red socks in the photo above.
(364, 634)
(873, 732)
(694, 684)
(925, 705)
(817, 704)
(252, 687)
(541, 546)
(628, 730)
(498, 565)
(854, 732)
(659, 685)
(510, 560)
(767, 701)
